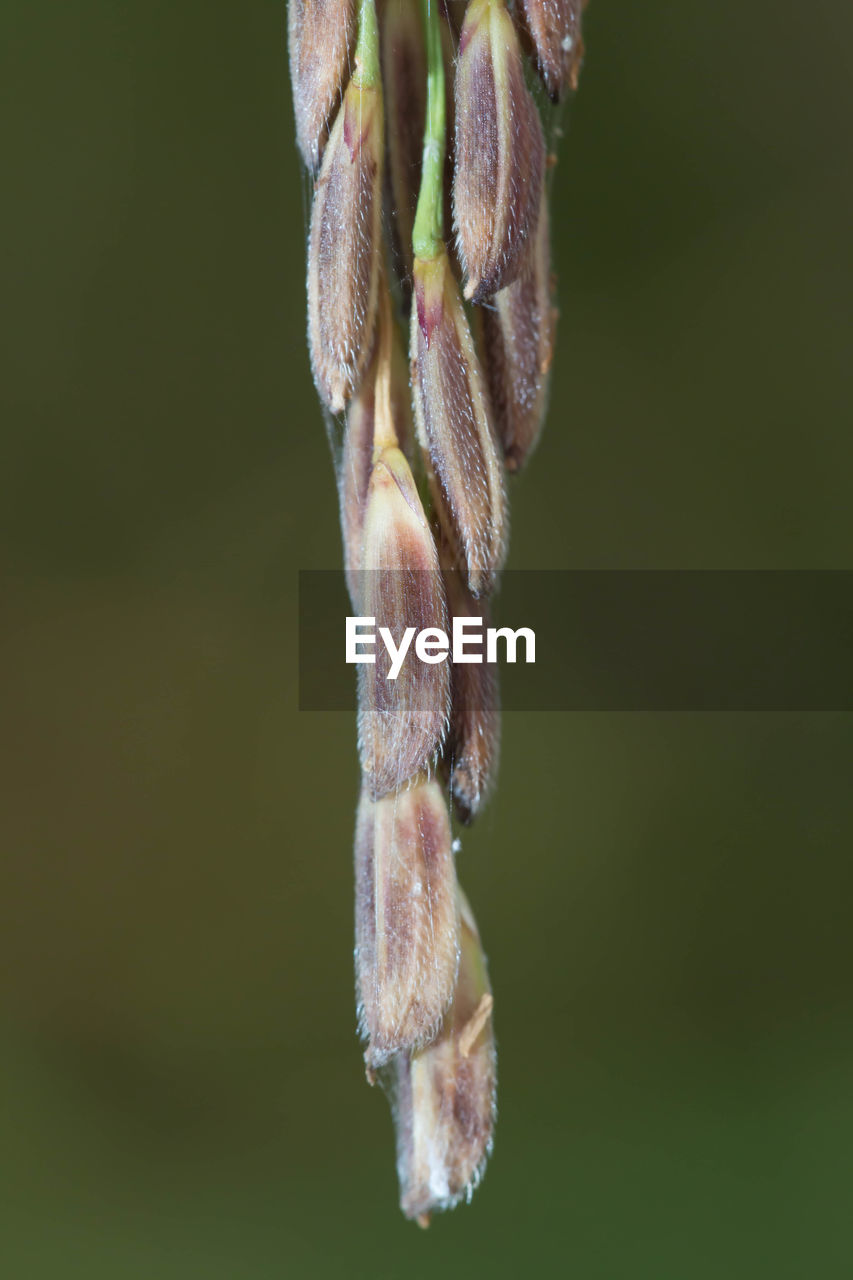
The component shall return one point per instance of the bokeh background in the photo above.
(665, 899)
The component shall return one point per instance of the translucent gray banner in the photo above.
(630, 640)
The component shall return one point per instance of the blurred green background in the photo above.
(665, 899)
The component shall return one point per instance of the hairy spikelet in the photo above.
(401, 720)
(553, 28)
(517, 333)
(500, 152)
(470, 757)
(453, 421)
(379, 414)
(320, 35)
(344, 259)
(443, 1096)
(406, 918)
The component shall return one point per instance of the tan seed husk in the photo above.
(453, 421)
(499, 152)
(379, 414)
(517, 344)
(554, 31)
(407, 928)
(320, 38)
(443, 1096)
(344, 259)
(402, 722)
(471, 753)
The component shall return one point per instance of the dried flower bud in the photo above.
(380, 413)
(344, 245)
(453, 422)
(320, 34)
(402, 720)
(500, 152)
(554, 30)
(404, 74)
(517, 332)
(443, 1096)
(470, 758)
(406, 918)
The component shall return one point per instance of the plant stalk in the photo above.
(428, 233)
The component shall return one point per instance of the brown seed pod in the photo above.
(406, 918)
(517, 344)
(443, 1096)
(472, 749)
(320, 35)
(554, 31)
(453, 421)
(344, 257)
(379, 414)
(499, 152)
(402, 717)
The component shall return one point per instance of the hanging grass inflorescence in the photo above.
(419, 124)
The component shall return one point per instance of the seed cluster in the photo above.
(428, 214)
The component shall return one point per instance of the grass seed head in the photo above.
(462, 131)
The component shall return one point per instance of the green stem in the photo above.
(428, 234)
(367, 71)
